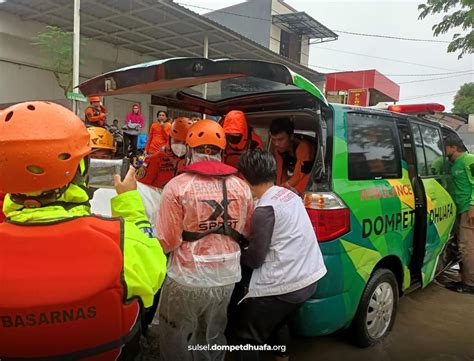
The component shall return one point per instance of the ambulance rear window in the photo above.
(374, 151)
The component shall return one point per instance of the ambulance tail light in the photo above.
(417, 108)
(329, 215)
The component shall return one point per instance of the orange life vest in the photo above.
(96, 117)
(63, 294)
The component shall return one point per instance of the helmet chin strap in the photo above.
(40, 200)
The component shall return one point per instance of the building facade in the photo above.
(120, 33)
(276, 25)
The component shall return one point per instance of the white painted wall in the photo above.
(24, 77)
(304, 51)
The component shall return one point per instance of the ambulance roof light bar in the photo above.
(417, 108)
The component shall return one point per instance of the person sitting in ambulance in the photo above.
(159, 168)
(96, 114)
(240, 137)
(75, 281)
(294, 156)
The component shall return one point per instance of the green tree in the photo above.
(57, 47)
(464, 99)
(462, 17)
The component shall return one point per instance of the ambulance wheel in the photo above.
(377, 309)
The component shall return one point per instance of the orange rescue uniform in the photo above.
(159, 168)
(96, 116)
(294, 171)
(157, 138)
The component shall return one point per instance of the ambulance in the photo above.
(378, 192)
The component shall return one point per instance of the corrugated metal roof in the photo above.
(157, 28)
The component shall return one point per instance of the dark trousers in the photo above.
(150, 312)
(130, 144)
(264, 320)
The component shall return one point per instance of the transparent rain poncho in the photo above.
(193, 203)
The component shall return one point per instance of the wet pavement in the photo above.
(433, 324)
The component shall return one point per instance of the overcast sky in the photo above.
(394, 18)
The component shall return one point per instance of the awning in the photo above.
(301, 23)
(157, 28)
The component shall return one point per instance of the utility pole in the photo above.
(75, 56)
(206, 55)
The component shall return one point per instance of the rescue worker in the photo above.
(462, 191)
(159, 168)
(102, 143)
(203, 217)
(75, 281)
(240, 137)
(103, 147)
(294, 155)
(159, 133)
(283, 239)
(96, 114)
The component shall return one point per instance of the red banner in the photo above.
(359, 97)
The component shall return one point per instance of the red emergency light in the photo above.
(417, 108)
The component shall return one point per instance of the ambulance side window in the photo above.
(374, 149)
(429, 150)
(420, 154)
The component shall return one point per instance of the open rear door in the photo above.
(204, 84)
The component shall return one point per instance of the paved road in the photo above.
(433, 324)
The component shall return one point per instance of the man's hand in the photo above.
(128, 184)
(470, 216)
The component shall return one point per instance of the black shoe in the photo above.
(460, 288)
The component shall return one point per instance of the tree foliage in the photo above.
(464, 99)
(56, 45)
(463, 17)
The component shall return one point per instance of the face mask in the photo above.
(178, 149)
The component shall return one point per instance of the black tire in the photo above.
(362, 329)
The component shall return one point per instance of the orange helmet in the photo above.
(179, 128)
(41, 146)
(101, 138)
(206, 132)
(94, 99)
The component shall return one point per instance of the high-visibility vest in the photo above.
(63, 293)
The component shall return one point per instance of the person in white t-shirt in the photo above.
(284, 254)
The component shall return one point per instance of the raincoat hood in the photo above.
(235, 122)
(209, 168)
